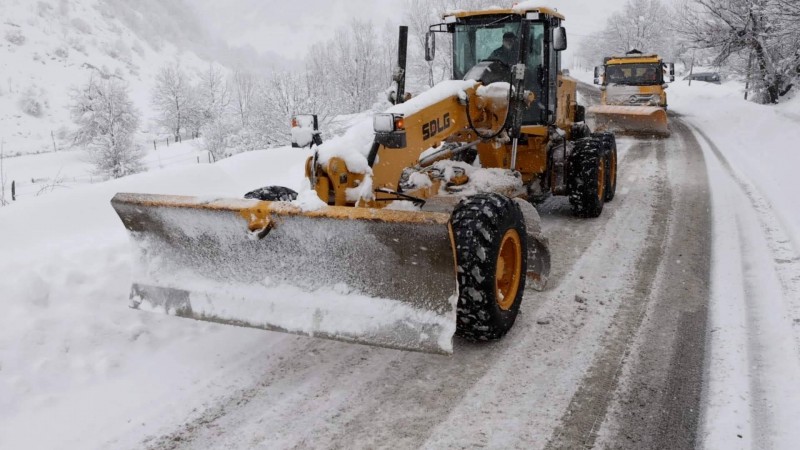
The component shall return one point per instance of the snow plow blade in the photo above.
(630, 119)
(371, 276)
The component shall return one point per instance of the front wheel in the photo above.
(491, 256)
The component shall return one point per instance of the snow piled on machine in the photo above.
(354, 145)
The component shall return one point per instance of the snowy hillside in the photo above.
(49, 46)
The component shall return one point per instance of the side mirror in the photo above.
(599, 72)
(560, 39)
(671, 69)
(305, 131)
(430, 46)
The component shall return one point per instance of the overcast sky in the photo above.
(289, 28)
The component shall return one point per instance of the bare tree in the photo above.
(642, 24)
(244, 90)
(173, 99)
(764, 32)
(213, 92)
(214, 96)
(107, 121)
(355, 71)
(419, 15)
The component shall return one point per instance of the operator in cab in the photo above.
(506, 53)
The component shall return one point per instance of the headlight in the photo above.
(383, 123)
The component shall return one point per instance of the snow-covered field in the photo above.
(72, 356)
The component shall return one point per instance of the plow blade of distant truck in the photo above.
(629, 119)
(370, 276)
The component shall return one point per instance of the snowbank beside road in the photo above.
(751, 396)
(69, 345)
(759, 141)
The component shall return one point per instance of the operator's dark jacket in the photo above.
(503, 54)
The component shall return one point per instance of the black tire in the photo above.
(580, 113)
(580, 131)
(272, 194)
(481, 225)
(586, 178)
(468, 156)
(609, 146)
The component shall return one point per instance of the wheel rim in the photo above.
(601, 178)
(509, 270)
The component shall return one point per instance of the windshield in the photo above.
(488, 39)
(634, 74)
(498, 38)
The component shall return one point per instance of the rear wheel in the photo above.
(491, 254)
(609, 147)
(587, 178)
(272, 194)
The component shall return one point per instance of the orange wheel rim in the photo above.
(509, 270)
(601, 178)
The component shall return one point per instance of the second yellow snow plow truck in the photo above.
(633, 97)
(416, 225)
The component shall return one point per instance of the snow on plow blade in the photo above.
(377, 277)
(631, 119)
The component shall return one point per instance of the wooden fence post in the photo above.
(155, 148)
(13, 191)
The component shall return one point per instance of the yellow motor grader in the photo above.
(416, 225)
(633, 97)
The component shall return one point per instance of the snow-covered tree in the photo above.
(107, 121)
(244, 88)
(354, 70)
(764, 33)
(173, 99)
(643, 25)
(213, 92)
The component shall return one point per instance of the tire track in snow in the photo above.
(752, 394)
(658, 400)
(643, 390)
(786, 252)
